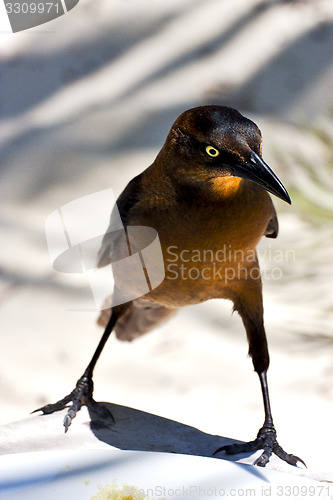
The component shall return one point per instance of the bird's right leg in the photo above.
(82, 394)
(249, 306)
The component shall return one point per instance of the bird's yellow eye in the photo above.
(212, 151)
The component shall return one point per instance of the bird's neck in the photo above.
(158, 184)
(226, 187)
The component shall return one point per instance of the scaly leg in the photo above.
(249, 306)
(82, 394)
(266, 437)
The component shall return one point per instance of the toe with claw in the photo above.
(266, 440)
(81, 395)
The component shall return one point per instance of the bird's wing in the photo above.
(272, 229)
(126, 201)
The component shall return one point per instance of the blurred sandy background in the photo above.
(86, 103)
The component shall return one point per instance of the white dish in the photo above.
(81, 474)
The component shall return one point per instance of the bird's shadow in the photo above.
(132, 429)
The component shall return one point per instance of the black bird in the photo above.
(205, 192)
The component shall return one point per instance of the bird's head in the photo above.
(212, 142)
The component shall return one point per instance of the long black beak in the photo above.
(257, 171)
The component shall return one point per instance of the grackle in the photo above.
(206, 192)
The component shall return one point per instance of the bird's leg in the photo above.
(82, 394)
(250, 309)
(266, 437)
(267, 434)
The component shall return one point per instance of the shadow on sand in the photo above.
(137, 430)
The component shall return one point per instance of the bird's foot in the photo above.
(81, 395)
(265, 440)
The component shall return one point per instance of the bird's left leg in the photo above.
(250, 308)
(83, 391)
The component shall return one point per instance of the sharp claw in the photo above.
(287, 457)
(47, 409)
(233, 449)
(67, 422)
(51, 408)
(35, 411)
(82, 395)
(263, 459)
(293, 460)
(266, 440)
(301, 461)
